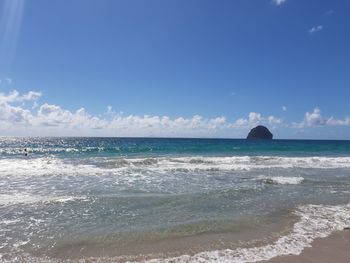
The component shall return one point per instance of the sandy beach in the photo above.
(335, 249)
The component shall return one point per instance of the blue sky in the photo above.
(195, 68)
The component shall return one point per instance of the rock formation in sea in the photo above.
(260, 132)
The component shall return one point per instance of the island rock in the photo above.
(260, 132)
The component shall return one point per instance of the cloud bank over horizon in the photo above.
(21, 114)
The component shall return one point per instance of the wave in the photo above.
(233, 163)
(119, 166)
(283, 180)
(14, 199)
(316, 221)
(44, 167)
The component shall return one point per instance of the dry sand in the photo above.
(333, 249)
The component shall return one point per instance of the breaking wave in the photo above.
(100, 166)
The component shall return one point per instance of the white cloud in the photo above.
(256, 119)
(315, 119)
(44, 119)
(315, 29)
(279, 2)
(14, 96)
(13, 115)
(19, 118)
(165, 126)
(336, 122)
(284, 108)
(31, 95)
(273, 120)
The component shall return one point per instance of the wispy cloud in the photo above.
(315, 29)
(284, 108)
(7, 81)
(329, 12)
(279, 2)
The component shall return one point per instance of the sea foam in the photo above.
(283, 180)
(54, 166)
(26, 198)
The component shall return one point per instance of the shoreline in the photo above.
(334, 248)
(172, 247)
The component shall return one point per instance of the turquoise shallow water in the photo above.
(84, 147)
(117, 194)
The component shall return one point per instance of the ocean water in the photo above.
(168, 200)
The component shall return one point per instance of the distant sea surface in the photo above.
(168, 200)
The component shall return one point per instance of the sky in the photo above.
(175, 68)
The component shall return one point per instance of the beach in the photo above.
(184, 131)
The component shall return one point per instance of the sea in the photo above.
(168, 200)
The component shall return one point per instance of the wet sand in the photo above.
(335, 249)
(175, 247)
(163, 245)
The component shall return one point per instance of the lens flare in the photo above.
(10, 23)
